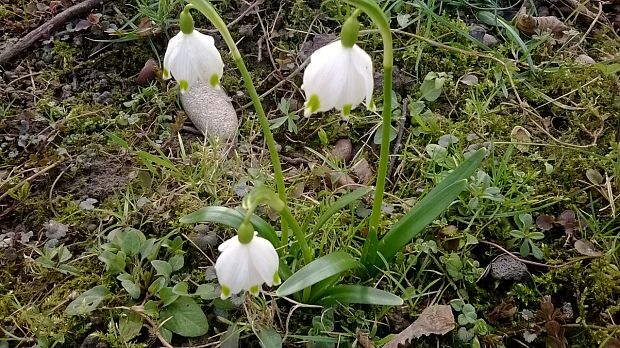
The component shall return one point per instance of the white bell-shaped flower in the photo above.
(338, 77)
(191, 56)
(246, 266)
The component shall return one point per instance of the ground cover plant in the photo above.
(461, 191)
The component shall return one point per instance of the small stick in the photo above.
(47, 28)
(30, 178)
(533, 263)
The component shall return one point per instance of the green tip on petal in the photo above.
(372, 106)
(225, 292)
(214, 81)
(254, 290)
(312, 105)
(346, 109)
(183, 85)
(166, 74)
(276, 279)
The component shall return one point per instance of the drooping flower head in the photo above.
(340, 75)
(246, 265)
(192, 56)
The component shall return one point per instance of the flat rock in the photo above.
(506, 267)
(211, 111)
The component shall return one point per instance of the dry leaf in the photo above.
(362, 171)
(585, 247)
(613, 343)
(521, 136)
(363, 340)
(148, 73)
(594, 176)
(469, 80)
(343, 150)
(532, 25)
(434, 320)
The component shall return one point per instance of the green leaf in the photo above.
(525, 248)
(149, 249)
(414, 222)
(131, 288)
(87, 301)
(117, 140)
(432, 86)
(230, 338)
(454, 266)
(346, 294)
(157, 285)
(207, 292)
(128, 240)
(167, 296)
(161, 161)
(114, 262)
(435, 202)
(129, 326)
(316, 271)
(176, 262)
(151, 308)
(536, 251)
(180, 289)
(162, 267)
(269, 338)
(379, 134)
(186, 318)
(232, 218)
(340, 203)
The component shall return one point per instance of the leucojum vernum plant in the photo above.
(340, 76)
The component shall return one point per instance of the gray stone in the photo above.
(211, 111)
(489, 40)
(506, 267)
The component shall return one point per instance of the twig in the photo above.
(533, 263)
(52, 191)
(30, 178)
(47, 28)
(399, 138)
(139, 310)
(600, 12)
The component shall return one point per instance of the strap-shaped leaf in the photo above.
(418, 218)
(425, 211)
(339, 204)
(346, 294)
(317, 270)
(232, 218)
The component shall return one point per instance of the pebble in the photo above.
(506, 267)
(489, 40)
(585, 59)
(477, 32)
(211, 111)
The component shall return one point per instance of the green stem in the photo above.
(308, 254)
(209, 11)
(375, 13)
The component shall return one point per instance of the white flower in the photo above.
(191, 58)
(246, 266)
(338, 77)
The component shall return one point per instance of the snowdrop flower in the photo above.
(340, 75)
(246, 266)
(192, 56)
